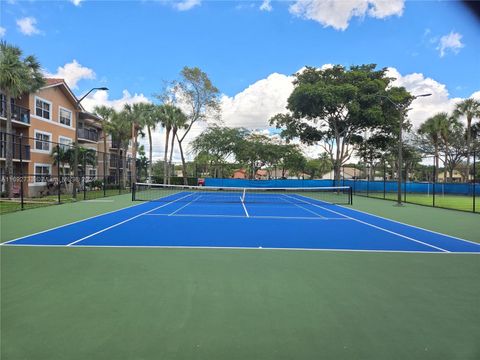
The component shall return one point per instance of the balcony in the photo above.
(19, 113)
(88, 134)
(21, 148)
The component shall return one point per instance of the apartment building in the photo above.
(40, 120)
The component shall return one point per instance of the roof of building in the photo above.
(52, 82)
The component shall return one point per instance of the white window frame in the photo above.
(60, 138)
(41, 151)
(60, 108)
(35, 107)
(35, 173)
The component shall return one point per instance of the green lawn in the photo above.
(101, 303)
(456, 202)
(8, 206)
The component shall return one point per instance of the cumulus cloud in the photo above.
(266, 6)
(2, 31)
(72, 73)
(186, 4)
(254, 106)
(27, 26)
(337, 14)
(424, 107)
(450, 42)
(76, 2)
(101, 97)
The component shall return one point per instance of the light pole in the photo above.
(402, 111)
(75, 160)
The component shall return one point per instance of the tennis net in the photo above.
(184, 193)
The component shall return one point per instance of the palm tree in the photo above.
(139, 115)
(470, 108)
(105, 113)
(151, 121)
(119, 127)
(432, 129)
(17, 76)
(179, 121)
(448, 126)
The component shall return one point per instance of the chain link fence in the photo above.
(44, 172)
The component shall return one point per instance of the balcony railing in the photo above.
(88, 134)
(19, 148)
(19, 113)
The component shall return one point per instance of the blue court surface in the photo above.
(287, 222)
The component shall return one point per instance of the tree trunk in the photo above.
(125, 168)
(172, 145)
(150, 154)
(134, 152)
(184, 165)
(9, 148)
(445, 163)
(437, 156)
(165, 156)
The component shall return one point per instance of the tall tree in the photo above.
(220, 143)
(470, 108)
(432, 129)
(17, 76)
(106, 114)
(334, 107)
(120, 126)
(139, 114)
(178, 120)
(195, 94)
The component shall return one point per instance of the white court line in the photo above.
(74, 222)
(124, 221)
(184, 206)
(252, 217)
(376, 227)
(244, 207)
(243, 248)
(301, 207)
(416, 227)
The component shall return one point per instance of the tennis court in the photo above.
(193, 217)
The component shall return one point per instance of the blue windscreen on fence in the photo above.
(267, 183)
(359, 186)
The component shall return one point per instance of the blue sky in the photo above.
(249, 49)
(135, 45)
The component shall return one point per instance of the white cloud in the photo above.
(2, 31)
(186, 4)
(337, 14)
(27, 26)
(101, 97)
(266, 6)
(424, 107)
(451, 42)
(254, 106)
(72, 73)
(76, 2)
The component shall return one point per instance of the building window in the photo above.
(42, 108)
(65, 116)
(42, 141)
(42, 173)
(65, 143)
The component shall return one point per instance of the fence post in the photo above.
(384, 180)
(474, 179)
(104, 174)
(84, 175)
(368, 180)
(133, 191)
(21, 173)
(434, 182)
(58, 174)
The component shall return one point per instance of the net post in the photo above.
(474, 180)
(58, 175)
(134, 186)
(350, 194)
